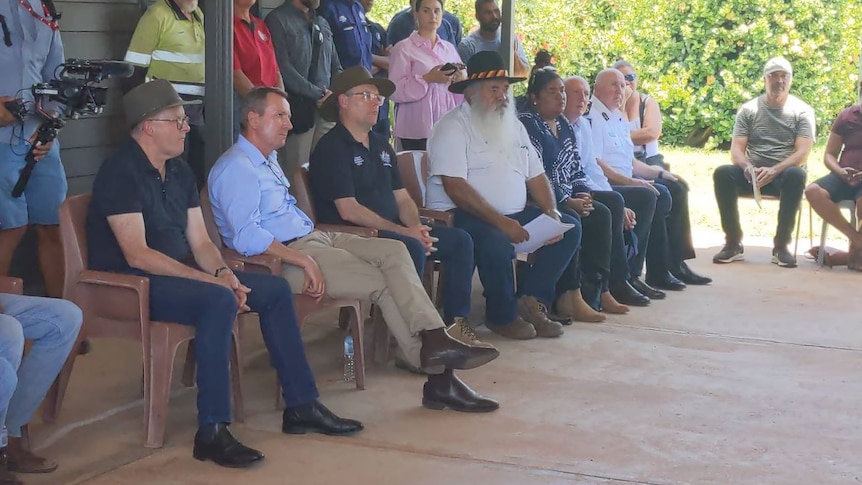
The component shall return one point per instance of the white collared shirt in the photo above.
(612, 140)
(596, 178)
(455, 149)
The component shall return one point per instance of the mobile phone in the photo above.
(452, 67)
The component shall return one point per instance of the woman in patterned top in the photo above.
(554, 138)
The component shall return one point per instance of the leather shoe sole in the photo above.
(475, 357)
(305, 428)
(666, 285)
(439, 405)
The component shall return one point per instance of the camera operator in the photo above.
(31, 43)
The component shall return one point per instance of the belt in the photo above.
(289, 241)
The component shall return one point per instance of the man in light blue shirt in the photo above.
(256, 214)
(30, 54)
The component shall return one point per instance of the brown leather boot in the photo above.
(440, 352)
(572, 304)
(534, 312)
(22, 460)
(611, 305)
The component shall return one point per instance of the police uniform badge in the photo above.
(605, 116)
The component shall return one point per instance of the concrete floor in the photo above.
(749, 381)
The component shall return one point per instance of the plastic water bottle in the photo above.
(349, 369)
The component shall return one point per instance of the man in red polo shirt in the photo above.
(254, 63)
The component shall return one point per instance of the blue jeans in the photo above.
(455, 251)
(211, 309)
(494, 253)
(40, 202)
(53, 326)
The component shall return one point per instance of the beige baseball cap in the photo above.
(150, 98)
(777, 64)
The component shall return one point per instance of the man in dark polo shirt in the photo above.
(145, 219)
(354, 179)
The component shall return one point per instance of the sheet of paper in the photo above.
(541, 229)
(754, 186)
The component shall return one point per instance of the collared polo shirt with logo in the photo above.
(253, 52)
(128, 183)
(342, 167)
(171, 46)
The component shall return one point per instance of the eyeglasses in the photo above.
(181, 122)
(370, 96)
(630, 77)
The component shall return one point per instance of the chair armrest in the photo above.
(139, 284)
(14, 286)
(357, 230)
(263, 263)
(114, 296)
(445, 218)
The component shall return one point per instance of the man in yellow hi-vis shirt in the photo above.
(168, 43)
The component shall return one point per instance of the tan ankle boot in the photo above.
(611, 305)
(581, 311)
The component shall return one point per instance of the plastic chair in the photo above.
(117, 306)
(765, 197)
(844, 204)
(351, 310)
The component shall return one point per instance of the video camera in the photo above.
(74, 88)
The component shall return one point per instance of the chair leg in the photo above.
(53, 401)
(357, 326)
(344, 318)
(798, 224)
(236, 363)
(189, 367)
(821, 255)
(381, 337)
(156, 404)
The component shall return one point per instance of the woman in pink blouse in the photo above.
(422, 66)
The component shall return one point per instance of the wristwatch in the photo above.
(218, 271)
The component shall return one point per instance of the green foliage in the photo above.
(701, 59)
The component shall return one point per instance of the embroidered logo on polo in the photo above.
(387, 160)
(342, 19)
(358, 160)
(261, 35)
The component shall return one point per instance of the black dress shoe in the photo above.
(625, 294)
(315, 417)
(447, 390)
(689, 277)
(216, 442)
(646, 290)
(440, 352)
(667, 282)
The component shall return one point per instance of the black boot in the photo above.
(689, 277)
(315, 417)
(646, 290)
(446, 390)
(216, 442)
(666, 281)
(627, 295)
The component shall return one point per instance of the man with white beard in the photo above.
(481, 166)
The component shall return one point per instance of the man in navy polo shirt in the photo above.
(349, 31)
(354, 180)
(145, 219)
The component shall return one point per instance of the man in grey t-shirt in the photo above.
(487, 37)
(772, 138)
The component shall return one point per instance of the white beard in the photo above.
(495, 124)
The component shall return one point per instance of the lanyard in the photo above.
(50, 23)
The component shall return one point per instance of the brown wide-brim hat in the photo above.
(347, 80)
(150, 98)
(484, 66)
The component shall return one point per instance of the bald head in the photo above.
(609, 87)
(577, 97)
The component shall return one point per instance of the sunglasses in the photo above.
(630, 77)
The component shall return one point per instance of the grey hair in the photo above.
(623, 63)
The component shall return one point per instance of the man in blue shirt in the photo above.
(31, 52)
(145, 218)
(403, 24)
(256, 214)
(349, 31)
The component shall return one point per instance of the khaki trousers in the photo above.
(376, 270)
(297, 148)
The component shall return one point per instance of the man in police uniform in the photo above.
(30, 54)
(669, 243)
(349, 31)
(168, 43)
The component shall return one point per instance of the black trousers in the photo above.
(730, 182)
(679, 240)
(650, 210)
(590, 265)
(619, 267)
